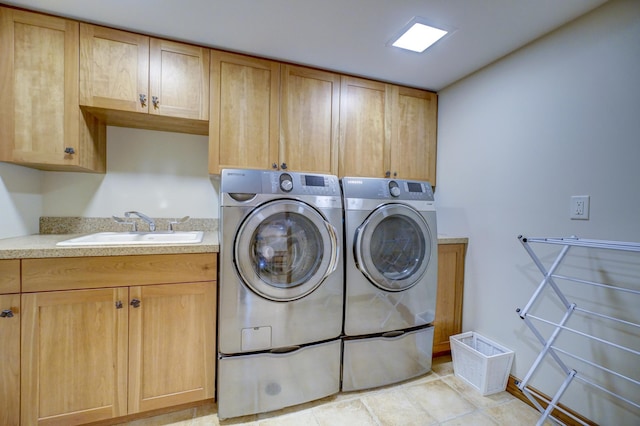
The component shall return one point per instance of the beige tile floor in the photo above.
(438, 398)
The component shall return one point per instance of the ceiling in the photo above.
(349, 36)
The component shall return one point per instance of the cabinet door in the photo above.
(171, 345)
(244, 123)
(179, 80)
(10, 365)
(413, 141)
(448, 321)
(364, 128)
(9, 276)
(74, 356)
(309, 113)
(39, 114)
(114, 69)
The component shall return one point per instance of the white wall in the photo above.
(162, 174)
(557, 118)
(20, 200)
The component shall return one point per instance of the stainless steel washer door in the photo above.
(393, 247)
(285, 249)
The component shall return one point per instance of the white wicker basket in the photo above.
(482, 363)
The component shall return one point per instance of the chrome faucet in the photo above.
(150, 222)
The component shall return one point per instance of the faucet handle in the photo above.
(126, 222)
(177, 222)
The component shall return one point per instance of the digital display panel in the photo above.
(313, 180)
(414, 187)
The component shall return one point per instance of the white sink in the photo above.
(135, 238)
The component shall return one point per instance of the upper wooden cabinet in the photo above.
(243, 127)
(258, 113)
(413, 134)
(271, 116)
(309, 117)
(387, 131)
(41, 124)
(365, 125)
(122, 72)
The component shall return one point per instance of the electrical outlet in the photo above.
(579, 207)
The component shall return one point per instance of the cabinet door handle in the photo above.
(155, 101)
(7, 313)
(143, 100)
(135, 303)
(69, 150)
(283, 166)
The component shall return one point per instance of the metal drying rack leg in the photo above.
(548, 348)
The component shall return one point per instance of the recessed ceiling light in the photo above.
(418, 37)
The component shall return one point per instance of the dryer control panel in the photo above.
(391, 189)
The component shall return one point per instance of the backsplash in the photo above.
(86, 225)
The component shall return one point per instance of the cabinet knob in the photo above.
(143, 100)
(119, 304)
(387, 174)
(155, 101)
(274, 166)
(283, 166)
(395, 174)
(135, 303)
(7, 313)
(69, 150)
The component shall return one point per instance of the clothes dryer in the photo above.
(390, 280)
(281, 290)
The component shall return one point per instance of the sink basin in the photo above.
(135, 238)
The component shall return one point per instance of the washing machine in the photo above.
(390, 280)
(281, 290)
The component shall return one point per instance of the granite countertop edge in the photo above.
(446, 239)
(44, 245)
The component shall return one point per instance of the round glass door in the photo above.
(393, 247)
(284, 250)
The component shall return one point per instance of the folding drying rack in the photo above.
(548, 343)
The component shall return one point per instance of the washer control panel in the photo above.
(303, 183)
(248, 182)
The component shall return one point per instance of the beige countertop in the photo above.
(447, 239)
(37, 246)
(40, 246)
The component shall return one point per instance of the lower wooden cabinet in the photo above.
(9, 358)
(97, 353)
(9, 342)
(448, 321)
(171, 345)
(74, 356)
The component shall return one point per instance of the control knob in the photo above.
(286, 183)
(394, 189)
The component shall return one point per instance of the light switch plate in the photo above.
(579, 207)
